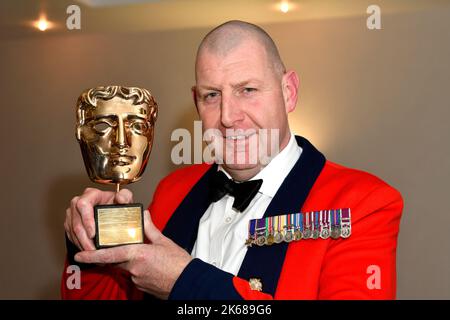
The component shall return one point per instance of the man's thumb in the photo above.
(124, 196)
(151, 232)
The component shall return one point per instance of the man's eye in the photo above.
(249, 90)
(139, 127)
(210, 95)
(101, 127)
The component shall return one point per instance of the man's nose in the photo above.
(230, 111)
(121, 135)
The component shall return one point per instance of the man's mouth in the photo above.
(235, 137)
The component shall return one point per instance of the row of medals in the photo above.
(289, 236)
(335, 231)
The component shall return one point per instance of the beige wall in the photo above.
(374, 100)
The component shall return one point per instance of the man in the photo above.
(197, 242)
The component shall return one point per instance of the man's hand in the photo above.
(80, 224)
(154, 267)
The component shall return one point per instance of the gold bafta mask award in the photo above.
(115, 127)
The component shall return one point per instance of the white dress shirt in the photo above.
(223, 230)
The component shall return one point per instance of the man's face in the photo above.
(116, 141)
(239, 93)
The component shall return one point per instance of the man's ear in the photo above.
(290, 83)
(194, 95)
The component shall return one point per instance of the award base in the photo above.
(118, 224)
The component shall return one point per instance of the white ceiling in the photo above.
(148, 15)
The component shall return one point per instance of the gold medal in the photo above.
(255, 284)
(269, 239)
(278, 237)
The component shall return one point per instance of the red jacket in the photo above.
(305, 269)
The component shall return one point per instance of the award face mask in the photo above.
(115, 127)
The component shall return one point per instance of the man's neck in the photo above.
(243, 174)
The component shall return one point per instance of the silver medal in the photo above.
(288, 237)
(261, 240)
(278, 237)
(335, 232)
(306, 234)
(315, 234)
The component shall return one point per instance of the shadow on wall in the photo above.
(60, 192)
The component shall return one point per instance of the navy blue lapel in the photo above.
(182, 226)
(266, 262)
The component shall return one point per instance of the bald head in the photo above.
(230, 35)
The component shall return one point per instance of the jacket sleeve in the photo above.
(203, 281)
(92, 282)
(363, 266)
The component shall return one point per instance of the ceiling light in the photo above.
(42, 24)
(284, 6)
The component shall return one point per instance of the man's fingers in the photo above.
(75, 241)
(78, 231)
(124, 266)
(86, 211)
(80, 223)
(81, 235)
(95, 196)
(108, 256)
(124, 196)
(68, 224)
(85, 207)
(151, 232)
(68, 232)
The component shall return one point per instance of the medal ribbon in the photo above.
(251, 228)
(278, 224)
(261, 225)
(307, 220)
(313, 220)
(316, 220)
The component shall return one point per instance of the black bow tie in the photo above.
(242, 192)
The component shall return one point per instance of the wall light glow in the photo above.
(42, 24)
